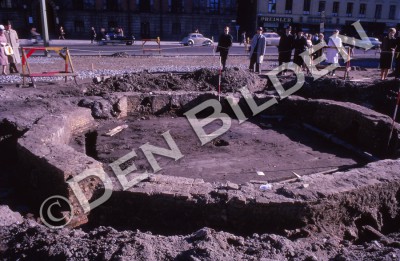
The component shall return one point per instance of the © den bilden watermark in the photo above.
(197, 124)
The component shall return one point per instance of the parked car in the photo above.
(196, 39)
(113, 38)
(376, 44)
(272, 39)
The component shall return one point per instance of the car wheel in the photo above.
(129, 43)
(190, 43)
(208, 43)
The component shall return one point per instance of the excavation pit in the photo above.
(298, 144)
(353, 194)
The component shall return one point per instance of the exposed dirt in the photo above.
(30, 241)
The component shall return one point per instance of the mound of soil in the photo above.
(201, 80)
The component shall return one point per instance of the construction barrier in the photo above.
(63, 52)
(157, 40)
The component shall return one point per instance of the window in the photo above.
(288, 6)
(321, 6)
(175, 6)
(363, 10)
(79, 26)
(176, 28)
(7, 4)
(392, 12)
(213, 6)
(349, 9)
(335, 8)
(196, 6)
(145, 6)
(112, 5)
(77, 4)
(89, 4)
(378, 11)
(272, 6)
(306, 7)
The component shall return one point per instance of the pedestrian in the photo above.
(3, 56)
(13, 41)
(387, 53)
(243, 38)
(300, 46)
(285, 47)
(332, 53)
(224, 43)
(93, 35)
(35, 35)
(257, 50)
(62, 33)
(397, 56)
(321, 43)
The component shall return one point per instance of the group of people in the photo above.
(299, 42)
(102, 34)
(9, 45)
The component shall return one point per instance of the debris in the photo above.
(306, 185)
(260, 173)
(116, 130)
(266, 187)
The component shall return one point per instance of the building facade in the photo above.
(167, 19)
(324, 16)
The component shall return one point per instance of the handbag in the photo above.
(8, 50)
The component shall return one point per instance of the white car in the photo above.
(196, 39)
(272, 39)
(376, 44)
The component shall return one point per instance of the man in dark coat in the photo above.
(285, 46)
(224, 43)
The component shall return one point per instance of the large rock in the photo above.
(8, 217)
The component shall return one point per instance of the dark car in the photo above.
(113, 38)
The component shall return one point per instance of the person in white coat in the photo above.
(257, 50)
(332, 53)
(13, 41)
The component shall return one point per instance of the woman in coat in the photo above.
(332, 53)
(389, 43)
(257, 50)
(13, 41)
(3, 56)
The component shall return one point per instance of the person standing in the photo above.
(285, 47)
(243, 38)
(387, 53)
(332, 53)
(224, 43)
(300, 46)
(320, 42)
(93, 35)
(257, 50)
(13, 41)
(3, 56)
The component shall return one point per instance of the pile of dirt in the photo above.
(201, 80)
(31, 241)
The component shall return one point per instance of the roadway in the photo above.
(83, 47)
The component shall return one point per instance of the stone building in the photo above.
(315, 15)
(168, 19)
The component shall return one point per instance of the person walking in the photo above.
(93, 35)
(13, 41)
(3, 56)
(62, 33)
(332, 53)
(257, 51)
(224, 43)
(387, 53)
(285, 47)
